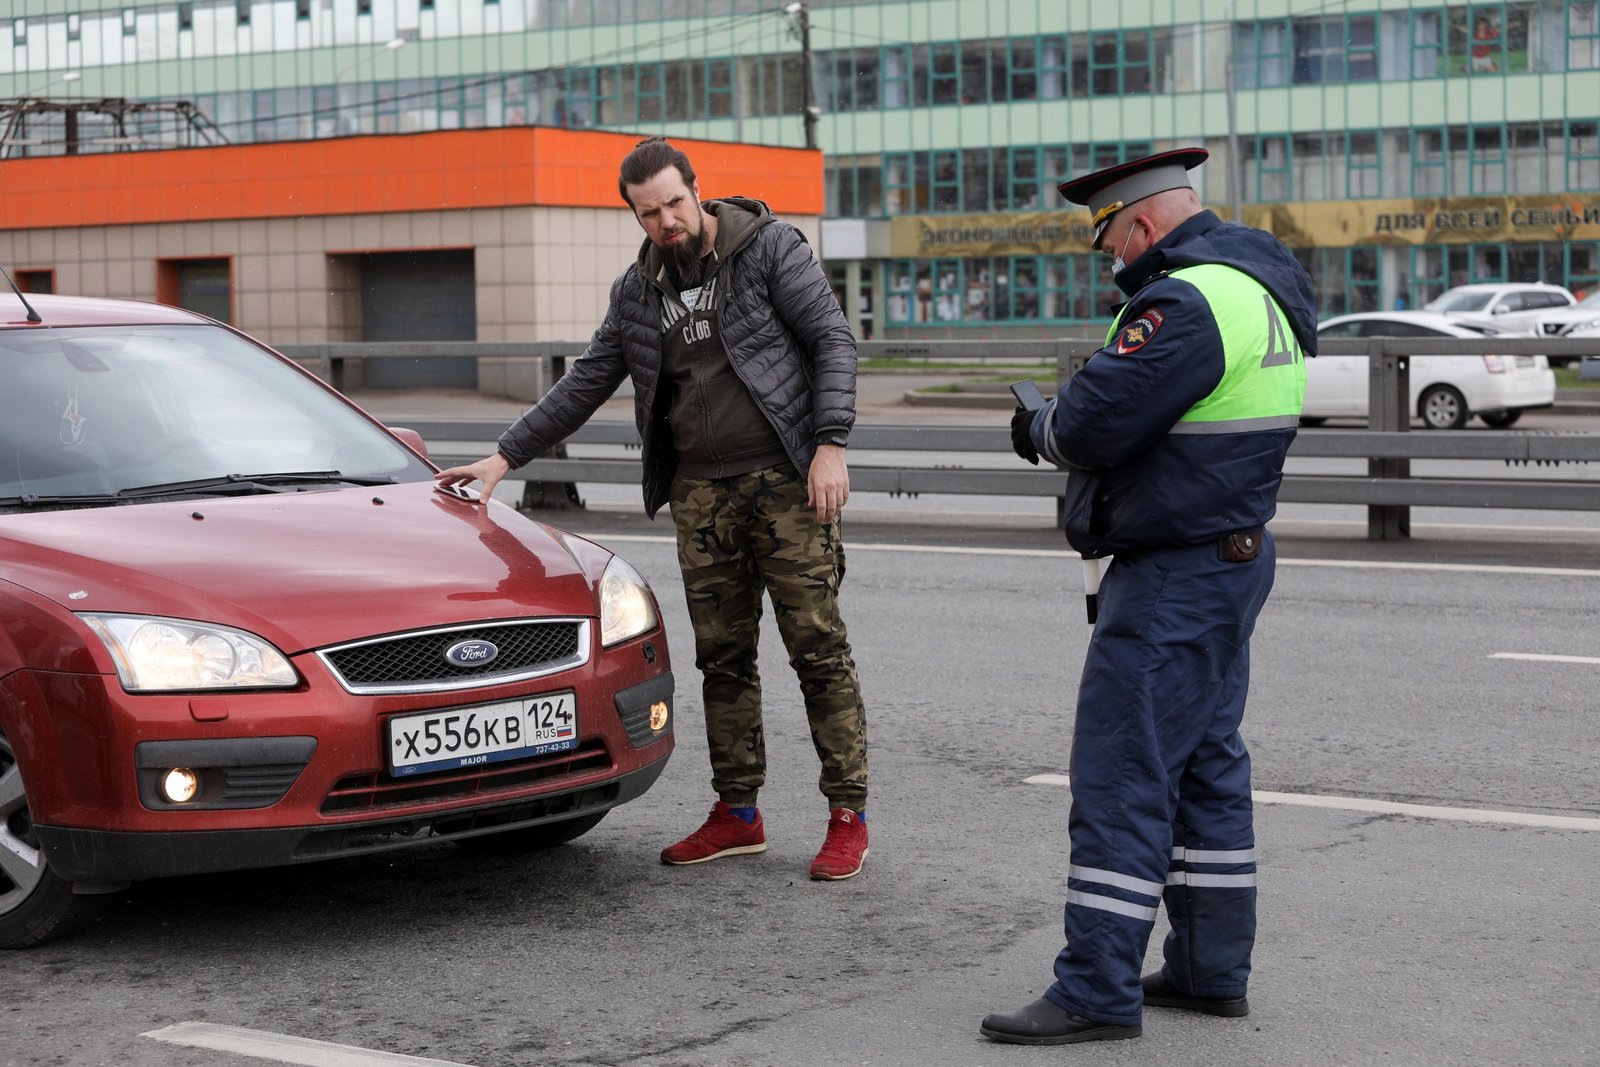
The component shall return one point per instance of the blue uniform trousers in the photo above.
(1161, 783)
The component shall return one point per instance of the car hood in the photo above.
(304, 569)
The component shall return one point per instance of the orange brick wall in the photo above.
(453, 170)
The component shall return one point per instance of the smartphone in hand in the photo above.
(1028, 395)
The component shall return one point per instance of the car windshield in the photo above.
(1590, 302)
(1458, 300)
(97, 411)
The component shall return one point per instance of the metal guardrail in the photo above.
(1389, 490)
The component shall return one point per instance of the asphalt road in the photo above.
(1386, 937)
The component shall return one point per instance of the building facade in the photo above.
(1399, 147)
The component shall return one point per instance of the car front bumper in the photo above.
(81, 855)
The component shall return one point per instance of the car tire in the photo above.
(1442, 407)
(1312, 420)
(532, 838)
(1499, 420)
(35, 905)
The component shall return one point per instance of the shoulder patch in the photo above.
(1137, 333)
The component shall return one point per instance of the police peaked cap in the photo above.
(1108, 191)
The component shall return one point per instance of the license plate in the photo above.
(486, 733)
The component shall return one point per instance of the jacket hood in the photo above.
(738, 219)
(1205, 238)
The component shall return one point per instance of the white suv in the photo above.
(1502, 308)
(1584, 316)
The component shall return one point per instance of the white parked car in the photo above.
(1510, 307)
(1446, 391)
(1584, 315)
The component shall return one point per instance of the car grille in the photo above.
(415, 662)
(377, 791)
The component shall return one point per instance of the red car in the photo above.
(239, 627)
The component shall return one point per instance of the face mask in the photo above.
(1117, 264)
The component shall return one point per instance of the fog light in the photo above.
(658, 715)
(180, 785)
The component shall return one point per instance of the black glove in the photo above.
(1022, 436)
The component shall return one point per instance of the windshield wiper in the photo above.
(246, 483)
(227, 485)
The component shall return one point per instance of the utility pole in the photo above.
(808, 110)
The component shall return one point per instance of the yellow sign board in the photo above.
(1309, 224)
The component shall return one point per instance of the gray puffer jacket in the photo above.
(785, 334)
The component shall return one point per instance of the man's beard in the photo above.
(684, 258)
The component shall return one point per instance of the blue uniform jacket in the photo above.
(1133, 485)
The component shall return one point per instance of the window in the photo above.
(242, 13)
(648, 91)
(905, 193)
(947, 290)
(1488, 41)
(19, 32)
(36, 281)
(946, 181)
(203, 285)
(1017, 290)
(1023, 68)
(186, 16)
(1116, 63)
(1361, 49)
(74, 27)
(1272, 160)
(1261, 54)
(944, 74)
(1427, 44)
(1583, 155)
(1363, 164)
(1428, 177)
(1583, 34)
(897, 76)
(1487, 155)
(977, 84)
(1346, 281)
(983, 179)
(302, 10)
(855, 187)
(717, 93)
(1023, 193)
(1053, 68)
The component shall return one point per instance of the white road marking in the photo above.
(285, 1048)
(1538, 658)
(1389, 807)
(1068, 554)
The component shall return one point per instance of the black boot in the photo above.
(1043, 1023)
(1160, 993)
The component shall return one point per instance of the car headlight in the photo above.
(626, 607)
(154, 654)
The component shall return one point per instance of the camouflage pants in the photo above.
(738, 537)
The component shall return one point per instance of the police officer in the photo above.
(1175, 434)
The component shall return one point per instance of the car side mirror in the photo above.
(411, 439)
(1499, 309)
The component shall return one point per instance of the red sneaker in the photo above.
(844, 848)
(724, 834)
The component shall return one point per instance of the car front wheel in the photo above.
(35, 905)
(1442, 407)
(1499, 420)
(533, 838)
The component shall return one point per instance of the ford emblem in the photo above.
(474, 653)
